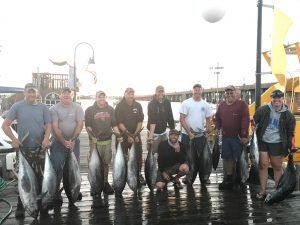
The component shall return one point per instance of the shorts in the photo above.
(170, 171)
(231, 148)
(274, 149)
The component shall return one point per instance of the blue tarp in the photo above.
(4, 89)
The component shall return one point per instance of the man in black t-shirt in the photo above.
(171, 161)
(130, 116)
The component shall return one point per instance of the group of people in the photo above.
(275, 126)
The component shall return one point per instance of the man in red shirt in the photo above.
(232, 118)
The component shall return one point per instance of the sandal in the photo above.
(261, 196)
(178, 185)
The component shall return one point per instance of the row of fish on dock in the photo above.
(127, 171)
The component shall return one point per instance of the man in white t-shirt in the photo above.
(195, 119)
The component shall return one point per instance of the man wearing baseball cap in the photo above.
(160, 116)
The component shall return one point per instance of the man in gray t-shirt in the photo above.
(67, 123)
(33, 118)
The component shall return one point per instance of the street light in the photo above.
(91, 61)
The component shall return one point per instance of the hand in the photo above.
(191, 135)
(45, 143)
(16, 143)
(244, 140)
(130, 140)
(217, 132)
(165, 176)
(150, 140)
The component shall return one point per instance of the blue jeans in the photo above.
(58, 156)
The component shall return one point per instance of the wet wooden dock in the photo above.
(185, 206)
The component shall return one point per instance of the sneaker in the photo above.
(108, 189)
(142, 180)
(20, 211)
(226, 185)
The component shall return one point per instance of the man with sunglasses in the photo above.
(275, 131)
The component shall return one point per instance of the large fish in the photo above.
(96, 172)
(205, 163)
(286, 184)
(243, 167)
(150, 168)
(49, 184)
(193, 166)
(119, 172)
(28, 187)
(254, 151)
(216, 152)
(71, 177)
(133, 170)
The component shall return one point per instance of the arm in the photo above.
(152, 122)
(7, 130)
(170, 116)
(46, 140)
(185, 125)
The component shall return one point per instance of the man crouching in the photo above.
(171, 161)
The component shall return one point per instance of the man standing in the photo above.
(67, 123)
(275, 131)
(32, 118)
(232, 117)
(99, 122)
(159, 116)
(130, 116)
(195, 119)
(171, 161)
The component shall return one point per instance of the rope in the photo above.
(3, 185)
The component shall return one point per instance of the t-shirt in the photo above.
(32, 119)
(67, 117)
(196, 113)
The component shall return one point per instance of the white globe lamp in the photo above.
(213, 10)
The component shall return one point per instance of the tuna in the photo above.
(205, 163)
(49, 184)
(193, 166)
(96, 172)
(133, 170)
(150, 168)
(71, 177)
(254, 151)
(28, 187)
(216, 152)
(286, 184)
(119, 171)
(243, 168)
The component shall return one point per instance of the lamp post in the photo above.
(258, 54)
(91, 61)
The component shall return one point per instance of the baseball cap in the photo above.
(31, 86)
(174, 131)
(277, 94)
(99, 93)
(66, 89)
(230, 88)
(159, 88)
(129, 90)
(197, 86)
